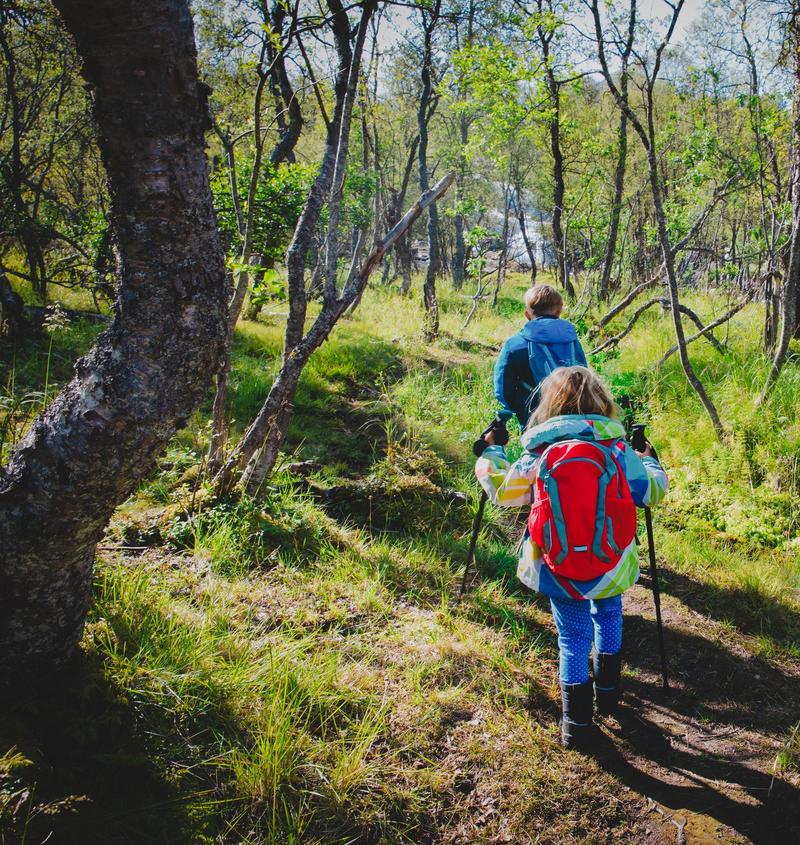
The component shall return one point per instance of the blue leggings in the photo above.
(575, 619)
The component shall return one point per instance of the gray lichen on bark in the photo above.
(151, 367)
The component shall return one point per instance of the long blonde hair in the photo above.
(573, 390)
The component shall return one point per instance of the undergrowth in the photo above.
(295, 668)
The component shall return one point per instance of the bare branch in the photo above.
(399, 229)
(703, 332)
(666, 304)
(626, 301)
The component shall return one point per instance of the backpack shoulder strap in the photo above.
(602, 524)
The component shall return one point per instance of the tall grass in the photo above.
(291, 741)
(301, 678)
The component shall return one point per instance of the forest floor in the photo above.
(297, 669)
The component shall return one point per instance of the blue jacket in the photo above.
(513, 380)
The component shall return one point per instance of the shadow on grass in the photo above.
(336, 418)
(712, 688)
(90, 779)
(763, 820)
(749, 609)
(716, 692)
(714, 682)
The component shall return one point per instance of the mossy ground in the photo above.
(297, 670)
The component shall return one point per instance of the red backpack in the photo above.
(583, 516)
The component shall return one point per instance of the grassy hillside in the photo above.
(296, 670)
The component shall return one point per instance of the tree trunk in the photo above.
(219, 420)
(501, 261)
(14, 176)
(243, 275)
(404, 263)
(672, 286)
(337, 135)
(289, 134)
(647, 135)
(529, 248)
(559, 245)
(260, 446)
(616, 207)
(559, 189)
(790, 302)
(257, 259)
(429, 298)
(460, 253)
(430, 329)
(285, 97)
(272, 423)
(771, 313)
(12, 308)
(151, 368)
(619, 170)
(402, 249)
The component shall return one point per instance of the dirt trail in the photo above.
(702, 755)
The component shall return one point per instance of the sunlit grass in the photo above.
(302, 676)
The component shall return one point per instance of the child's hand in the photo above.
(647, 452)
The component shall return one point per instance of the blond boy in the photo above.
(545, 343)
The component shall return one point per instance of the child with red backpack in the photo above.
(583, 482)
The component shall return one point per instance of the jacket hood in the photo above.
(549, 330)
(572, 427)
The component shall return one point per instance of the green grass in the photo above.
(31, 373)
(294, 669)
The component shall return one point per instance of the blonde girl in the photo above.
(576, 408)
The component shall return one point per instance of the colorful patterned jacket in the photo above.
(510, 485)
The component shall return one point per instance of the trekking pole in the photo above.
(498, 428)
(639, 443)
(648, 521)
(476, 527)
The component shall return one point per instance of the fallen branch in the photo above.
(653, 807)
(626, 301)
(719, 193)
(703, 332)
(699, 323)
(613, 341)
(399, 228)
(665, 303)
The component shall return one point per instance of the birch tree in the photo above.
(646, 130)
(151, 368)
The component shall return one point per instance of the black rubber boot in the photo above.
(606, 670)
(576, 719)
